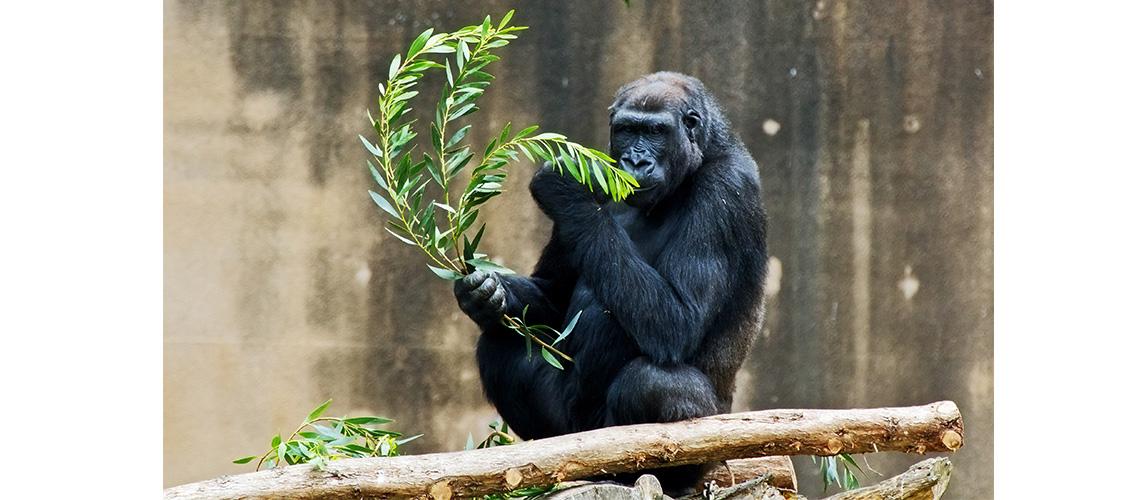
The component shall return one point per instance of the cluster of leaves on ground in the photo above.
(319, 440)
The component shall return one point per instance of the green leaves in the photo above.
(419, 43)
(543, 335)
(489, 266)
(395, 65)
(830, 471)
(400, 174)
(445, 274)
(457, 136)
(568, 329)
(320, 444)
(413, 220)
(582, 163)
(405, 173)
(498, 436)
(317, 412)
(383, 204)
(367, 420)
(370, 147)
(550, 359)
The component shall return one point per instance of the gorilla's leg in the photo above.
(528, 393)
(645, 392)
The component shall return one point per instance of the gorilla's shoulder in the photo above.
(734, 168)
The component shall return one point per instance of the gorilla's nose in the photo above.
(636, 164)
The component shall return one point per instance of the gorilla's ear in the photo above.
(692, 120)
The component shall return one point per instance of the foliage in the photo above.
(499, 436)
(531, 491)
(830, 471)
(403, 178)
(338, 438)
(439, 227)
(532, 333)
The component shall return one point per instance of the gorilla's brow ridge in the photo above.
(655, 95)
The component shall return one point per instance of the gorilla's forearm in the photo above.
(530, 292)
(665, 315)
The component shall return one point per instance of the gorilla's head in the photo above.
(663, 126)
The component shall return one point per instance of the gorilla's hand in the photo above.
(481, 296)
(561, 196)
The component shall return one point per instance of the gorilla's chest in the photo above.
(649, 235)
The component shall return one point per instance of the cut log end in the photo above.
(441, 491)
(951, 440)
(834, 446)
(512, 477)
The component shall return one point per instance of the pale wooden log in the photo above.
(781, 473)
(753, 489)
(926, 480)
(933, 427)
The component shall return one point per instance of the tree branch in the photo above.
(917, 429)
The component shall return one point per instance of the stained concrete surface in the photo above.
(872, 123)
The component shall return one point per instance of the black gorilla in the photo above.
(670, 284)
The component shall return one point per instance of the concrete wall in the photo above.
(871, 121)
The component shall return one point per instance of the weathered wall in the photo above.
(872, 123)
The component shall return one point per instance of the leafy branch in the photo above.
(317, 444)
(498, 436)
(532, 334)
(439, 228)
(830, 471)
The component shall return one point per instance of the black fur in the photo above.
(670, 284)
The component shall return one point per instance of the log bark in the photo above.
(918, 429)
(926, 480)
(781, 473)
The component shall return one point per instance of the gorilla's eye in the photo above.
(691, 119)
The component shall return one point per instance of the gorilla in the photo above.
(669, 285)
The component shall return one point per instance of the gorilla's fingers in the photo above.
(487, 288)
(474, 279)
(497, 300)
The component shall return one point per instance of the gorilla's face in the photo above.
(654, 138)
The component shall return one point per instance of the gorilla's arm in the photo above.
(665, 310)
(547, 291)
(485, 297)
(528, 393)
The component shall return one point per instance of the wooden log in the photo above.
(753, 489)
(926, 480)
(933, 427)
(781, 473)
(647, 487)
